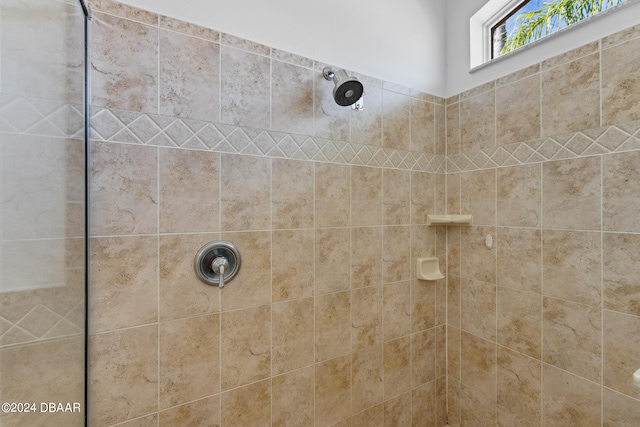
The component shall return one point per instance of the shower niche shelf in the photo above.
(449, 219)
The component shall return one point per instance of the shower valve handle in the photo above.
(219, 265)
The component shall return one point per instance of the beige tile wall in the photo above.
(542, 328)
(200, 136)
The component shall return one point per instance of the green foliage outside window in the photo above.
(550, 17)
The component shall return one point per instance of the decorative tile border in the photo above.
(590, 142)
(137, 128)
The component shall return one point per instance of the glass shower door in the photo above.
(42, 214)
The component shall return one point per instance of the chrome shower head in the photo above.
(347, 89)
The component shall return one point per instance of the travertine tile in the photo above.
(621, 269)
(332, 192)
(120, 9)
(332, 325)
(422, 196)
(477, 122)
(519, 321)
(453, 129)
(292, 400)
(247, 406)
(423, 405)
(397, 312)
(251, 286)
(366, 256)
(38, 176)
(245, 88)
(477, 406)
(440, 130)
(330, 120)
(453, 193)
(245, 346)
(185, 176)
(292, 264)
(123, 375)
(291, 98)
(619, 410)
(367, 128)
(189, 77)
(181, 293)
(478, 196)
(38, 372)
(478, 364)
(478, 307)
(244, 44)
(397, 410)
(293, 341)
(245, 192)
(423, 357)
(520, 259)
(571, 266)
(570, 55)
(422, 126)
(366, 317)
(519, 389)
(366, 196)
(189, 359)
(571, 194)
(372, 417)
(397, 367)
(518, 111)
(332, 262)
(332, 391)
(620, 178)
(367, 371)
(518, 75)
(201, 412)
(396, 122)
(125, 178)
(519, 193)
(124, 64)
(292, 199)
(571, 96)
(396, 196)
(572, 335)
(478, 261)
(423, 305)
(621, 359)
(396, 257)
(620, 101)
(568, 399)
(124, 291)
(453, 301)
(173, 24)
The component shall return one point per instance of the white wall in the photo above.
(400, 41)
(460, 11)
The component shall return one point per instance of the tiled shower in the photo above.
(199, 135)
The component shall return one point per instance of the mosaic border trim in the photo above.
(56, 119)
(114, 125)
(591, 142)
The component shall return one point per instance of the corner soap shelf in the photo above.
(429, 269)
(449, 219)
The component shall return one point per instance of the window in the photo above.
(502, 26)
(531, 20)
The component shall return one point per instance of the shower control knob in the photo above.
(217, 263)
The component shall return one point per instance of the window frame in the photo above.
(501, 21)
(480, 24)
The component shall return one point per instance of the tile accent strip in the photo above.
(114, 125)
(586, 143)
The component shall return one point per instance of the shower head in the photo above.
(347, 89)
